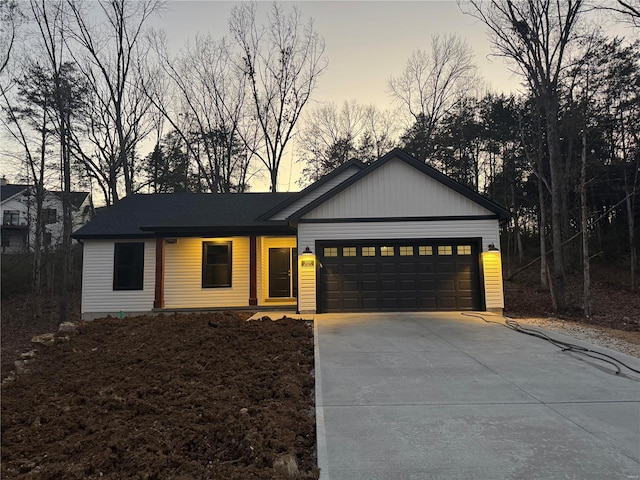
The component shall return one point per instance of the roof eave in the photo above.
(315, 185)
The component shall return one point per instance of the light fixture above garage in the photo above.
(492, 248)
(307, 251)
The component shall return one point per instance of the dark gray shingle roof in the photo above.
(11, 189)
(185, 213)
(77, 198)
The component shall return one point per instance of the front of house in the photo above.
(396, 235)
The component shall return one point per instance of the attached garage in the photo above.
(399, 275)
(399, 236)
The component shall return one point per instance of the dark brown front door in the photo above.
(280, 273)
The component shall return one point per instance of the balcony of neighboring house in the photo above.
(15, 232)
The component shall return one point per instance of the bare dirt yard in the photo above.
(207, 396)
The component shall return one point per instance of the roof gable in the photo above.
(313, 191)
(11, 190)
(390, 187)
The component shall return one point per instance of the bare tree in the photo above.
(10, 19)
(30, 128)
(203, 97)
(433, 81)
(282, 62)
(536, 35)
(108, 57)
(330, 136)
(626, 10)
(51, 19)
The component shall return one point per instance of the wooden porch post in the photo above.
(253, 271)
(158, 301)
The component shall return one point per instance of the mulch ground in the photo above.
(181, 397)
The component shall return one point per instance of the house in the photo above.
(394, 235)
(19, 212)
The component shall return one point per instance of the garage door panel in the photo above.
(465, 303)
(369, 268)
(409, 268)
(388, 285)
(350, 268)
(412, 277)
(448, 302)
(388, 267)
(350, 286)
(446, 285)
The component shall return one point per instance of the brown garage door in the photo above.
(413, 275)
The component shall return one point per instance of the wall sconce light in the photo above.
(307, 251)
(492, 248)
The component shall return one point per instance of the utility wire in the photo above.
(564, 346)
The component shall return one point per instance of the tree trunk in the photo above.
(542, 222)
(630, 204)
(585, 232)
(66, 212)
(555, 166)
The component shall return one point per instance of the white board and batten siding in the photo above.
(397, 190)
(183, 275)
(311, 196)
(99, 299)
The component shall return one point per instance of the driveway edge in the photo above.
(321, 437)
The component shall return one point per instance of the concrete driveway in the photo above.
(446, 396)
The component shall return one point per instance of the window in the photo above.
(406, 251)
(128, 266)
(425, 250)
(46, 240)
(216, 264)
(445, 250)
(368, 251)
(349, 252)
(331, 252)
(386, 251)
(49, 215)
(464, 249)
(11, 217)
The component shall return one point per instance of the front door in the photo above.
(282, 279)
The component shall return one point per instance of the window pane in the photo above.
(349, 252)
(406, 251)
(445, 250)
(425, 250)
(11, 217)
(128, 266)
(368, 251)
(386, 251)
(331, 252)
(464, 249)
(49, 215)
(216, 264)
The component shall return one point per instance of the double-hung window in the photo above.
(216, 264)
(128, 266)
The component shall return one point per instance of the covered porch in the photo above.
(211, 272)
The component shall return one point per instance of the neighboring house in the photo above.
(19, 213)
(395, 235)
